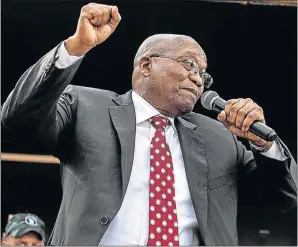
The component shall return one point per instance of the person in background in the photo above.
(24, 229)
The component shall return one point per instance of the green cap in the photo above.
(20, 224)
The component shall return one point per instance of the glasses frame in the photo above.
(206, 78)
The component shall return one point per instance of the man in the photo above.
(142, 168)
(24, 230)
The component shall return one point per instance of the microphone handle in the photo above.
(258, 128)
(263, 131)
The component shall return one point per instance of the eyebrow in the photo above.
(193, 55)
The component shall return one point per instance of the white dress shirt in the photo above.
(130, 225)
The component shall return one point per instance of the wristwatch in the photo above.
(261, 149)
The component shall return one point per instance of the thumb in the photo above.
(221, 116)
(116, 17)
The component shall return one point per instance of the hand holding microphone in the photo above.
(243, 117)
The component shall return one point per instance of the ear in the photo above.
(3, 242)
(145, 66)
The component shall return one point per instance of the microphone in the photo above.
(210, 100)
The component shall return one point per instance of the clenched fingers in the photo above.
(255, 114)
(239, 114)
(243, 113)
(116, 18)
(100, 14)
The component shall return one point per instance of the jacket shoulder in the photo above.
(210, 127)
(89, 92)
(203, 121)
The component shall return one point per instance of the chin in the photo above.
(185, 108)
(179, 106)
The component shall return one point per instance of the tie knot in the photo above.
(159, 122)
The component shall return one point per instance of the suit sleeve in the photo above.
(269, 176)
(41, 106)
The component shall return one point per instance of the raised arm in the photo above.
(40, 104)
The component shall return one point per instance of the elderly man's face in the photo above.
(173, 89)
(29, 239)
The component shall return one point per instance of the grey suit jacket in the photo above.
(93, 131)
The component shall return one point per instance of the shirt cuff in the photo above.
(65, 60)
(275, 152)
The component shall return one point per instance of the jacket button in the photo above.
(104, 220)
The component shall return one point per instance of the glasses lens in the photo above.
(207, 79)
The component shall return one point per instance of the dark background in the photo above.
(251, 50)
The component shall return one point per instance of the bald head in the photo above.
(162, 73)
(161, 44)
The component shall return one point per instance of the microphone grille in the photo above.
(207, 99)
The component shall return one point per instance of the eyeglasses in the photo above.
(193, 68)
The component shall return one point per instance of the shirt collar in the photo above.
(144, 110)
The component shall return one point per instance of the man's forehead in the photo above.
(186, 46)
(198, 55)
(172, 45)
(192, 54)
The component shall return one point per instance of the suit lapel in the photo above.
(193, 151)
(124, 120)
(192, 146)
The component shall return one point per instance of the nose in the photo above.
(196, 79)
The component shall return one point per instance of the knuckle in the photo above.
(227, 109)
(229, 119)
(245, 123)
(231, 101)
(242, 112)
(84, 8)
(238, 123)
(233, 109)
(94, 5)
(252, 115)
(259, 109)
(90, 4)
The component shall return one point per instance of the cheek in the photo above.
(201, 90)
(171, 78)
(11, 241)
(180, 74)
(172, 72)
(167, 80)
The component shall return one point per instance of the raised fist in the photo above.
(96, 23)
